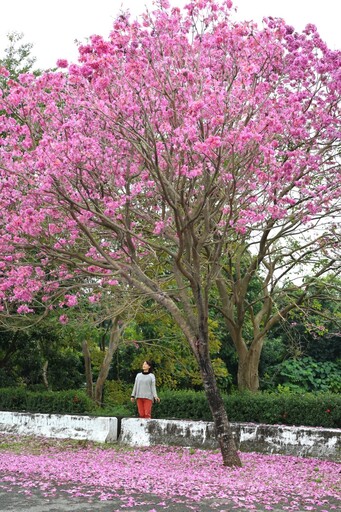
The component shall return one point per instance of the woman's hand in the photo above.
(132, 399)
(157, 399)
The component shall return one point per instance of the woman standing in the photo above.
(144, 391)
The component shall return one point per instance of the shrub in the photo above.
(13, 399)
(59, 402)
(119, 411)
(308, 409)
(116, 393)
(286, 408)
(305, 375)
(186, 404)
(315, 410)
(7, 379)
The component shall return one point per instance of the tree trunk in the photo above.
(105, 366)
(88, 372)
(248, 367)
(45, 379)
(222, 425)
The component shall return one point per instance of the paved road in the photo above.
(13, 501)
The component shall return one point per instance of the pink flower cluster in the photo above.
(180, 120)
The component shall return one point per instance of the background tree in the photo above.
(305, 352)
(38, 357)
(115, 311)
(17, 57)
(210, 144)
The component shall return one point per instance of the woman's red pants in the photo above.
(144, 406)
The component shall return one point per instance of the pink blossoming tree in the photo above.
(186, 152)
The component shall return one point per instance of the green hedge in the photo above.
(308, 409)
(58, 402)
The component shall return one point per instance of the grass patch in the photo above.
(38, 445)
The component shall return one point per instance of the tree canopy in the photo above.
(210, 145)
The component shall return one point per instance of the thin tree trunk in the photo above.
(105, 366)
(45, 379)
(87, 366)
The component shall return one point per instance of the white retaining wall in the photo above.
(100, 429)
(300, 441)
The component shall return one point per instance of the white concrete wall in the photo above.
(300, 441)
(303, 441)
(100, 429)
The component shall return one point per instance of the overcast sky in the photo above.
(54, 26)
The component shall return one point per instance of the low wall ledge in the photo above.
(250, 437)
(64, 426)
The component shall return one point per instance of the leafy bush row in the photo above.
(315, 410)
(58, 402)
(308, 409)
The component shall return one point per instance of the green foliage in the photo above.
(303, 351)
(153, 336)
(118, 411)
(305, 374)
(186, 404)
(13, 399)
(65, 370)
(159, 340)
(59, 402)
(7, 379)
(23, 353)
(17, 57)
(286, 408)
(316, 410)
(116, 393)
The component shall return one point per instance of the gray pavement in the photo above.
(12, 500)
